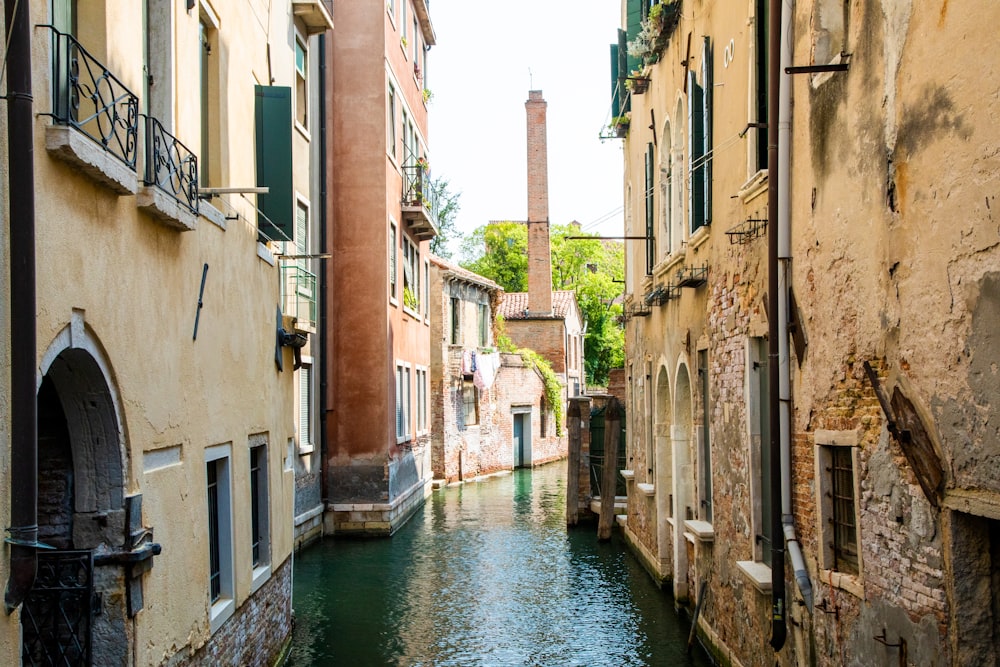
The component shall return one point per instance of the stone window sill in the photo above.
(646, 489)
(260, 576)
(842, 581)
(628, 475)
(220, 613)
(758, 573)
(212, 214)
(165, 209)
(755, 185)
(702, 530)
(70, 145)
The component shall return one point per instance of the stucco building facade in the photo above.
(381, 216)
(163, 383)
(886, 262)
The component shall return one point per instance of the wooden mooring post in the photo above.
(612, 433)
(573, 471)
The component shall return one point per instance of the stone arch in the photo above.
(664, 468)
(83, 473)
(681, 432)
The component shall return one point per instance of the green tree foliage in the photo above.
(589, 266)
(449, 206)
(499, 251)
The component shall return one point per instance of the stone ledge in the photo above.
(845, 582)
(629, 475)
(70, 145)
(165, 209)
(702, 530)
(646, 489)
(758, 573)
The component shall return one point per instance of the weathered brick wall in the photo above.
(616, 383)
(641, 509)
(546, 337)
(257, 631)
(519, 385)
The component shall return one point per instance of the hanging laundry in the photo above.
(487, 366)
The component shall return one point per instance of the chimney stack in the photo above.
(539, 254)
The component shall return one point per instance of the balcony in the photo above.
(171, 179)
(420, 205)
(316, 15)
(95, 117)
(298, 296)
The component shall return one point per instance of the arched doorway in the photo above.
(76, 612)
(680, 435)
(664, 467)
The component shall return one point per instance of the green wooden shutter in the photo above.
(626, 104)
(273, 125)
(706, 77)
(650, 252)
(696, 146)
(616, 101)
(633, 23)
(305, 406)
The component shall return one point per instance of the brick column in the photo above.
(539, 257)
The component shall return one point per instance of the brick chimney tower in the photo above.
(539, 256)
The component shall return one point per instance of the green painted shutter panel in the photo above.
(706, 77)
(301, 230)
(633, 22)
(616, 101)
(696, 146)
(626, 104)
(650, 252)
(305, 407)
(273, 125)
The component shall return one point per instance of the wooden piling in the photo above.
(573, 471)
(612, 433)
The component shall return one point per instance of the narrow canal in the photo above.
(484, 574)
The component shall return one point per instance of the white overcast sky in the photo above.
(479, 75)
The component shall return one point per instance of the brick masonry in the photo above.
(257, 632)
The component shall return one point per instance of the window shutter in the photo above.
(302, 231)
(305, 408)
(706, 77)
(649, 208)
(633, 22)
(696, 144)
(273, 125)
(616, 102)
(626, 99)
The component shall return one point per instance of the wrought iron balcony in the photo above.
(298, 295)
(170, 165)
(420, 202)
(90, 98)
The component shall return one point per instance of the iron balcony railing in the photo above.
(298, 294)
(418, 190)
(170, 165)
(87, 96)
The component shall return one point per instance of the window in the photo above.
(455, 327)
(421, 378)
(301, 83)
(760, 111)
(408, 157)
(393, 253)
(696, 154)
(760, 439)
(427, 289)
(403, 398)
(470, 403)
(391, 120)
(416, 42)
(705, 445)
(650, 216)
(259, 506)
(305, 409)
(543, 415)
(484, 324)
(220, 534)
(411, 275)
(206, 37)
(403, 24)
(837, 500)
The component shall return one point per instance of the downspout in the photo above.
(324, 273)
(23, 531)
(778, 627)
(784, 275)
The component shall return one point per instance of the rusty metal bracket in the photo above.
(901, 645)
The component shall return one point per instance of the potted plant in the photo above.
(619, 125)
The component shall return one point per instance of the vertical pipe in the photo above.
(323, 237)
(21, 179)
(778, 628)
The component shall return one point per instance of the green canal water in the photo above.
(486, 574)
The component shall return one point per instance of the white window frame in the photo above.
(262, 570)
(303, 76)
(393, 262)
(304, 387)
(420, 374)
(225, 605)
(411, 257)
(825, 441)
(404, 398)
(391, 100)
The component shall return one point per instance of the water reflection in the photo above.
(485, 574)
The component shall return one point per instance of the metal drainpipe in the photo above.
(323, 273)
(778, 627)
(23, 401)
(784, 275)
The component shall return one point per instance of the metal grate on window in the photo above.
(845, 534)
(215, 570)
